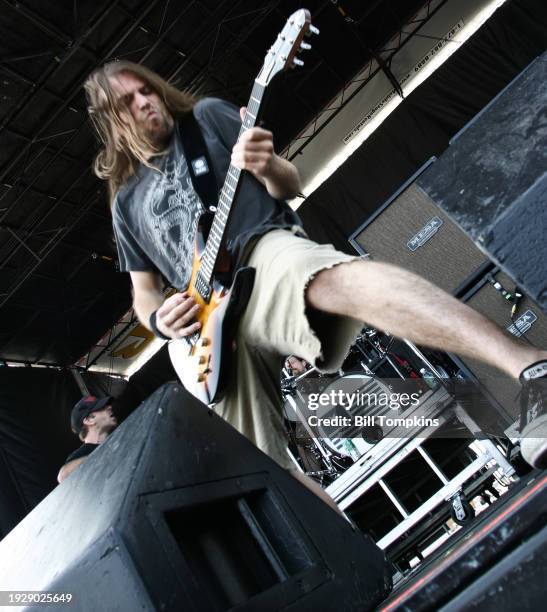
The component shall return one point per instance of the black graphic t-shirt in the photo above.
(83, 451)
(155, 214)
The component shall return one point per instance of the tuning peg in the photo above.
(304, 46)
(313, 30)
(298, 62)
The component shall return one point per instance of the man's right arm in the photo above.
(174, 316)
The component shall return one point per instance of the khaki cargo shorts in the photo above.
(275, 324)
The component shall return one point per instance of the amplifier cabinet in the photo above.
(411, 231)
(529, 324)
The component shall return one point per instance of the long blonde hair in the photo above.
(124, 145)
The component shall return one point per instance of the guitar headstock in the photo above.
(282, 54)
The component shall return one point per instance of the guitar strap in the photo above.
(199, 163)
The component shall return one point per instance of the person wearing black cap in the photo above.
(93, 420)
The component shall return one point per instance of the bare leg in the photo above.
(315, 488)
(406, 305)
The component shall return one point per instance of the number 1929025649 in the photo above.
(19, 598)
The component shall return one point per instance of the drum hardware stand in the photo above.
(388, 359)
(425, 361)
(371, 335)
(295, 379)
(319, 474)
(326, 455)
(289, 388)
(393, 365)
(322, 473)
(366, 369)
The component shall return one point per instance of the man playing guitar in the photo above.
(307, 300)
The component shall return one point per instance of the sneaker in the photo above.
(533, 414)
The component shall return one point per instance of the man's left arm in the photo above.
(255, 153)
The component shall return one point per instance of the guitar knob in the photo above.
(201, 378)
(204, 342)
(201, 359)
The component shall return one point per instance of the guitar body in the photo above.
(204, 364)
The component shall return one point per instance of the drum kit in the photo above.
(323, 440)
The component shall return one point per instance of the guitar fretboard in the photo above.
(226, 199)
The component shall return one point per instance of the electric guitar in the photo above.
(202, 361)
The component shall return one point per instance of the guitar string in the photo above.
(226, 198)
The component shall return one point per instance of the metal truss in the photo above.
(6, 363)
(82, 209)
(256, 16)
(351, 88)
(27, 155)
(123, 325)
(41, 136)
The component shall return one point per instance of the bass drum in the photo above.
(354, 441)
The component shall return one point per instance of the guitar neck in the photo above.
(228, 194)
(281, 55)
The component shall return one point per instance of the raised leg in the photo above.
(406, 305)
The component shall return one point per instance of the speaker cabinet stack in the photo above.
(480, 209)
(492, 180)
(412, 232)
(529, 324)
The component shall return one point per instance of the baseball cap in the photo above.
(85, 407)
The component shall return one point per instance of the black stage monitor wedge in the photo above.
(411, 231)
(178, 511)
